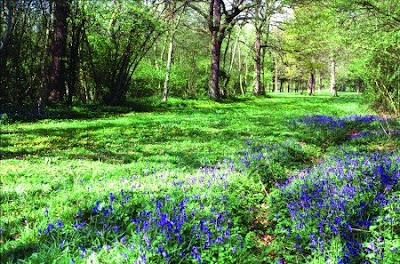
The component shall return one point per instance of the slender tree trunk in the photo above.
(246, 70)
(235, 46)
(276, 74)
(257, 81)
(311, 83)
(240, 71)
(333, 77)
(320, 83)
(169, 66)
(262, 87)
(359, 86)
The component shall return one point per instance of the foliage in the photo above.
(341, 202)
(272, 163)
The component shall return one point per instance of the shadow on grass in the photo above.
(21, 251)
(80, 112)
(181, 133)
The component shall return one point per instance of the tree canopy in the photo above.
(106, 51)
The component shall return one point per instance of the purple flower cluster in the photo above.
(362, 134)
(342, 196)
(166, 229)
(321, 121)
(336, 122)
(182, 224)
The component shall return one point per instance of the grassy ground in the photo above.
(44, 163)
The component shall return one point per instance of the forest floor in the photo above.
(56, 170)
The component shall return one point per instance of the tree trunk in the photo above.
(240, 71)
(217, 36)
(5, 38)
(333, 77)
(77, 32)
(169, 66)
(276, 74)
(55, 89)
(233, 52)
(311, 83)
(262, 82)
(257, 81)
(320, 83)
(359, 86)
(214, 92)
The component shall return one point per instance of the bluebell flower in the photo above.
(112, 197)
(96, 207)
(61, 244)
(49, 227)
(83, 251)
(195, 254)
(59, 223)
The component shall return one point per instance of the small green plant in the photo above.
(4, 119)
(272, 163)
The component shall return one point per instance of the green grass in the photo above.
(52, 162)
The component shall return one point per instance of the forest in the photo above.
(200, 131)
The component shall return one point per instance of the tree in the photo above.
(56, 80)
(119, 40)
(376, 24)
(221, 16)
(78, 21)
(263, 12)
(317, 40)
(175, 19)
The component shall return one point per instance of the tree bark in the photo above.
(333, 77)
(4, 40)
(320, 83)
(311, 83)
(76, 38)
(169, 67)
(240, 71)
(214, 92)
(257, 65)
(55, 89)
(276, 74)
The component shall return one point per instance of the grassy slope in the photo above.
(41, 163)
